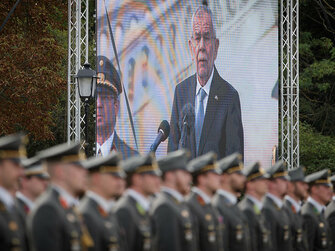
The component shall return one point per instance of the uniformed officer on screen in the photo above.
(54, 223)
(12, 151)
(330, 216)
(206, 180)
(232, 183)
(314, 221)
(273, 208)
(105, 184)
(31, 185)
(296, 194)
(172, 219)
(108, 104)
(252, 204)
(132, 209)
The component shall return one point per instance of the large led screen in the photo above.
(210, 71)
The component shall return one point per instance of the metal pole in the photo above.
(86, 126)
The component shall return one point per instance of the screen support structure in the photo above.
(289, 74)
(77, 56)
(289, 82)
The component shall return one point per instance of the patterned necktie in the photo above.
(199, 119)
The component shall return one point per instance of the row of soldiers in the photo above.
(144, 204)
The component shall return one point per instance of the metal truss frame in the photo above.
(289, 79)
(77, 56)
(289, 74)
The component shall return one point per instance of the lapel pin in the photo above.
(216, 97)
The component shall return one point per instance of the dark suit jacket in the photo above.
(222, 131)
(330, 216)
(54, 226)
(209, 224)
(12, 232)
(299, 238)
(136, 223)
(316, 228)
(103, 226)
(278, 222)
(173, 224)
(259, 233)
(237, 235)
(122, 147)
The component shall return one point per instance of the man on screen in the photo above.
(209, 104)
(108, 91)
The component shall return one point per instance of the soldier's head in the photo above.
(297, 188)
(108, 91)
(257, 180)
(232, 179)
(203, 44)
(106, 176)
(278, 178)
(35, 179)
(205, 174)
(12, 152)
(320, 187)
(64, 165)
(175, 173)
(143, 174)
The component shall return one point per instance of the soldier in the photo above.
(105, 184)
(54, 223)
(251, 206)
(274, 213)
(330, 216)
(296, 193)
(172, 219)
(206, 180)
(314, 221)
(232, 182)
(31, 185)
(132, 209)
(12, 151)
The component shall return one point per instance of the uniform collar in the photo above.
(26, 200)
(231, 197)
(6, 198)
(334, 197)
(275, 199)
(106, 146)
(257, 202)
(105, 204)
(178, 196)
(207, 86)
(294, 203)
(69, 199)
(144, 202)
(203, 195)
(320, 208)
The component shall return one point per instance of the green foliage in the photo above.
(316, 150)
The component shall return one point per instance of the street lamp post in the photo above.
(87, 81)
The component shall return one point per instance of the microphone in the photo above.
(187, 123)
(163, 133)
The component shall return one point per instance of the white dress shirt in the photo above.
(203, 195)
(26, 200)
(105, 204)
(6, 198)
(257, 202)
(69, 199)
(296, 204)
(178, 196)
(106, 146)
(231, 197)
(320, 208)
(206, 88)
(144, 202)
(276, 200)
